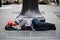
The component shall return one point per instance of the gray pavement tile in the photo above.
(9, 14)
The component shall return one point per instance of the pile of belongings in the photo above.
(29, 24)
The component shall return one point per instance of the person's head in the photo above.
(12, 23)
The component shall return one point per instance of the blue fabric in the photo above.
(38, 23)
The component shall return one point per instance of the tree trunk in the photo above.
(30, 10)
(31, 5)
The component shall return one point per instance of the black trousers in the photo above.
(0, 3)
(52, 0)
(57, 2)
